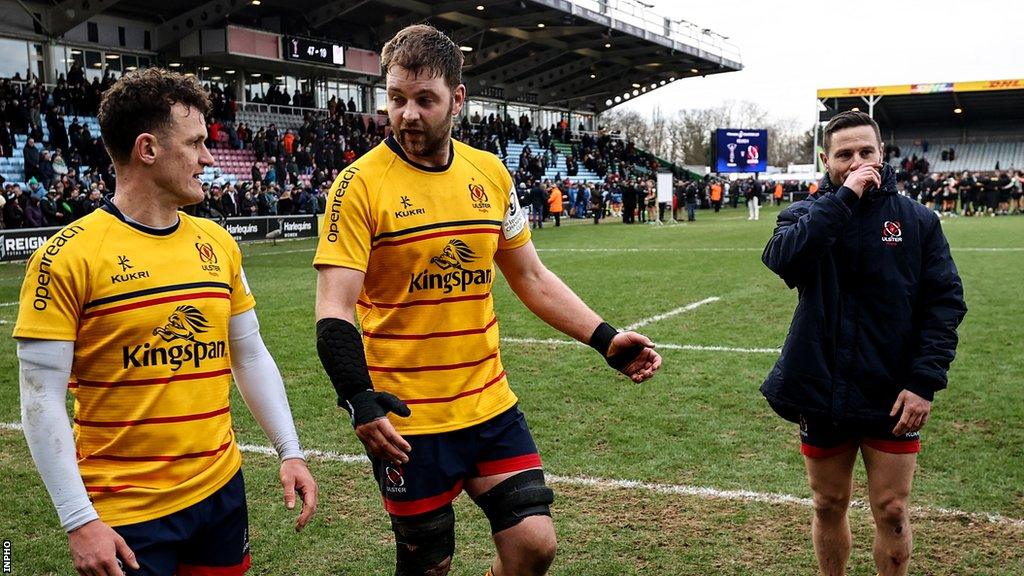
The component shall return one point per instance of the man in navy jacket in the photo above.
(872, 338)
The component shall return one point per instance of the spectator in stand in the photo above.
(246, 202)
(285, 203)
(53, 209)
(46, 173)
(33, 212)
(255, 174)
(14, 208)
(288, 142)
(32, 157)
(6, 138)
(271, 175)
(93, 201)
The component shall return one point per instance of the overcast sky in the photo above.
(791, 48)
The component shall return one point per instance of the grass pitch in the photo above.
(700, 423)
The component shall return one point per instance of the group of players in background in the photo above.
(997, 193)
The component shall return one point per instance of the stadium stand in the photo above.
(285, 123)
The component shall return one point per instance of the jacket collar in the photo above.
(826, 186)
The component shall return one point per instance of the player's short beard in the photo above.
(435, 138)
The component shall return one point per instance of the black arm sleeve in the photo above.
(340, 348)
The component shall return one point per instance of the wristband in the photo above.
(602, 337)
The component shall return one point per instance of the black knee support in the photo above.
(515, 499)
(424, 541)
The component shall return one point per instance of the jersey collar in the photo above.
(109, 207)
(397, 149)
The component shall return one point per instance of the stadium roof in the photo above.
(979, 102)
(576, 55)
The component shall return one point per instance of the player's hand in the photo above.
(915, 413)
(296, 479)
(863, 178)
(382, 441)
(633, 354)
(95, 549)
(370, 418)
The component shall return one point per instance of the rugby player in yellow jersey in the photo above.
(143, 312)
(413, 230)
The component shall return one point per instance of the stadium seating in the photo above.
(981, 156)
(555, 169)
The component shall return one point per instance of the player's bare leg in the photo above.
(889, 481)
(831, 481)
(526, 549)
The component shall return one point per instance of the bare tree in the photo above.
(685, 138)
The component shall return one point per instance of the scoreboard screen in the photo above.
(739, 150)
(310, 50)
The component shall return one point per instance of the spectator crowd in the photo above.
(67, 176)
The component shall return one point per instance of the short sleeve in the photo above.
(514, 231)
(347, 231)
(242, 299)
(52, 294)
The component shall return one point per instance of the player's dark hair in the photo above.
(421, 48)
(141, 102)
(848, 119)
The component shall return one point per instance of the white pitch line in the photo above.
(3, 304)
(660, 346)
(617, 250)
(671, 313)
(282, 252)
(657, 488)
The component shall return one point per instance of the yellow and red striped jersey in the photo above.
(426, 239)
(148, 311)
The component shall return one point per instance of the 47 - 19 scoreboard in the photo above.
(310, 50)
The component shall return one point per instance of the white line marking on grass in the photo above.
(3, 304)
(615, 250)
(671, 313)
(317, 454)
(657, 488)
(661, 346)
(988, 249)
(281, 252)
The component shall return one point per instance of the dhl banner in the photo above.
(936, 87)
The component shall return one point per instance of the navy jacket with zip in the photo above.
(880, 300)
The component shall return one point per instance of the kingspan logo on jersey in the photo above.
(182, 326)
(454, 275)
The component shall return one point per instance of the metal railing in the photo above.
(641, 15)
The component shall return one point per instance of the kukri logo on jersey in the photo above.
(454, 275)
(181, 329)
